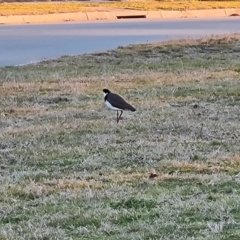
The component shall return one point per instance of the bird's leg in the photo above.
(117, 117)
(120, 115)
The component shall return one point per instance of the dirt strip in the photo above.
(114, 14)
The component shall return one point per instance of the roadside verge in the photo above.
(117, 14)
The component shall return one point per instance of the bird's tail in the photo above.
(131, 108)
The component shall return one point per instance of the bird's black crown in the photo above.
(106, 90)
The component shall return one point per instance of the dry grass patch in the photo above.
(67, 170)
(7, 9)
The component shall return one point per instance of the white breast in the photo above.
(108, 104)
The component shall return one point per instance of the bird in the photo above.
(116, 103)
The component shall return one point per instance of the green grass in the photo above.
(69, 171)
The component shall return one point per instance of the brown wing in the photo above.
(118, 102)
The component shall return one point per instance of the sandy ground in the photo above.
(113, 14)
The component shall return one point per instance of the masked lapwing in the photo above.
(116, 103)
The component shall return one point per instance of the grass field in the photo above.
(69, 7)
(68, 171)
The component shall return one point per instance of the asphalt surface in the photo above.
(22, 44)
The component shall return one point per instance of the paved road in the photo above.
(21, 44)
